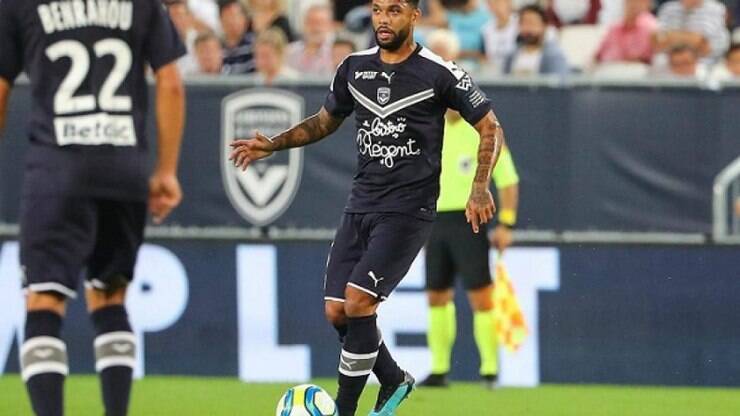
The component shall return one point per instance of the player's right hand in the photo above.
(246, 151)
(164, 195)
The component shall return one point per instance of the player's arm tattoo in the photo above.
(308, 131)
(489, 149)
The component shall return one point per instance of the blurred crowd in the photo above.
(276, 40)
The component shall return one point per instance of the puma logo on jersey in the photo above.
(376, 280)
(365, 75)
(388, 77)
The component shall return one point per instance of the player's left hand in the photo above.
(501, 238)
(164, 195)
(480, 207)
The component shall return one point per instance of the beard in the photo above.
(529, 39)
(395, 42)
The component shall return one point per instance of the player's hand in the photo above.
(164, 195)
(480, 207)
(246, 151)
(501, 238)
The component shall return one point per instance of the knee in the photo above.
(440, 297)
(334, 312)
(481, 300)
(97, 299)
(359, 303)
(49, 301)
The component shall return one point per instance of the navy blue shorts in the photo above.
(62, 236)
(373, 252)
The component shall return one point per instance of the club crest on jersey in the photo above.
(384, 95)
(263, 192)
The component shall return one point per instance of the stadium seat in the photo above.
(580, 42)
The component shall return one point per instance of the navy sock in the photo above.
(386, 369)
(44, 362)
(115, 349)
(356, 362)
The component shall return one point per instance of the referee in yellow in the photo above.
(453, 250)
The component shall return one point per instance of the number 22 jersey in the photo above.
(86, 60)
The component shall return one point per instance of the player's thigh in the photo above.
(470, 256)
(440, 271)
(120, 234)
(345, 252)
(57, 234)
(394, 242)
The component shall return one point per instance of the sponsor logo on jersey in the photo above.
(384, 95)
(369, 143)
(263, 192)
(465, 83)
(365, 75)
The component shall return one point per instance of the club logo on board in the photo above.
(263, 192)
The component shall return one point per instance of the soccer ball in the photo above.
(306, 400)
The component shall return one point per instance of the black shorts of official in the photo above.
(62, 236)
(455, 250)
(373, 252)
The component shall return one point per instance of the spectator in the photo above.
(267, 14)
(730, 69)
(572, 12)
(631, 39)
(344, 7)
(312, 55)
(466, 18)
(269, 57)
(238, 39)
(185, 24)
(699, 24)
(499, 34)
(209, 53)
(683, 62)
(535, 53)
(206, 15)
(444, 43)
(340, 50)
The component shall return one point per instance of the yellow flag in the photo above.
(509, 322)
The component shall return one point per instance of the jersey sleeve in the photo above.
(461, 94)
(339, 101)
(163, 44)
(11, 57)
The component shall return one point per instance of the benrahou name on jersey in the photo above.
(65, 15)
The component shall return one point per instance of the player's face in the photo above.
(393, 21)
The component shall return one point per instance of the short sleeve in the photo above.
(11, 56)
(163, 44)
(463, 95)
(339, 102)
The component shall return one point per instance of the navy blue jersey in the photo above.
(399, 115)
(87, 60)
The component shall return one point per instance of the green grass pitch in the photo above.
(181, 396)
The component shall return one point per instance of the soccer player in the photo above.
(452, 250)
(399, 92)
(87, 182)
